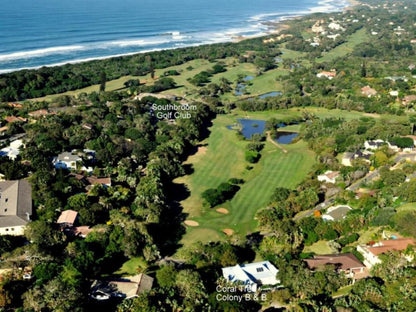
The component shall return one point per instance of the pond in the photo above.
(249, 127)
(247, 78)
(284, 137)
(270, 94)
(239, 90)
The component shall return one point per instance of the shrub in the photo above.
(252, 156)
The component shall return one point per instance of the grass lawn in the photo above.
(343, 291)
(132, 267)
(407, 207)
(320, 248)
(353, 40)
(222, 159)
(111, 85)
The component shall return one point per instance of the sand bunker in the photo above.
(191, 223)
(228, 232)
(201, 150)
(222, 210)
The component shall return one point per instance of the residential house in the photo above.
(346, 263)
(93, 180)
(336, 213)
(67, 218)
(329, 176)
(15, 206)
(87, 126)
(368, 91)
(11, 119)
(365, 192)
(412, 40)
(348, 157)
(327, 74)
(409, 99)
(124, 288)
(3, 130)
(252, 275)
(397, 78)
(66, 160)
(371, 252)
(39, 113)
(394, 93)
(335, 26)
(15, 105)
(373, 145)
(13, 150)
(81, 231)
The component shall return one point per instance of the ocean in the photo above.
(35, 33)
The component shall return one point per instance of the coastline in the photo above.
(274, 26)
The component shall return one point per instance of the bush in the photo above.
(172, 72)
(348, 239)
(212, 197)
(224, 192)
(236, 181)
(252, 156)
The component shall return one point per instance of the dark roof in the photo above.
(15, 203)
(344, 261)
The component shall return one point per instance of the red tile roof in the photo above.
(11, 119)
(67, 216)
(345, 261)
(391, 245)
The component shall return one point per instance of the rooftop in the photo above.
(390, 245)
(67, 216)
(342, 261)
(15, 203)
(127, 287)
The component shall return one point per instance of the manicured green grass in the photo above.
(267, 82)
(353, 40)
(111, 85)
(132, 267)
(407, 207)
(224, 159)
(320, 248)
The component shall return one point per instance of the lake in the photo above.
(285, 137)
(250, 127)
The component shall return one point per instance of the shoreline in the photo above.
(275, 26)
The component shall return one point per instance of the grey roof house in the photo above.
(15, 206)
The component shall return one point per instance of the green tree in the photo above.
(103, 80)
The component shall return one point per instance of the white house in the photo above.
(329, 176)
(252, 275)
(372, 145)
(394, 93)
(66, 160)
(371, 252)
(69, 160)
(336, 213)
(327, 74)
(15, 206)
(12, 151)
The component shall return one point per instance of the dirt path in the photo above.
(270, 139)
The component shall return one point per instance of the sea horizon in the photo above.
(46, 46)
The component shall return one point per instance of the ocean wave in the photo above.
(84, 52)
(323, 6)
(39, 52)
